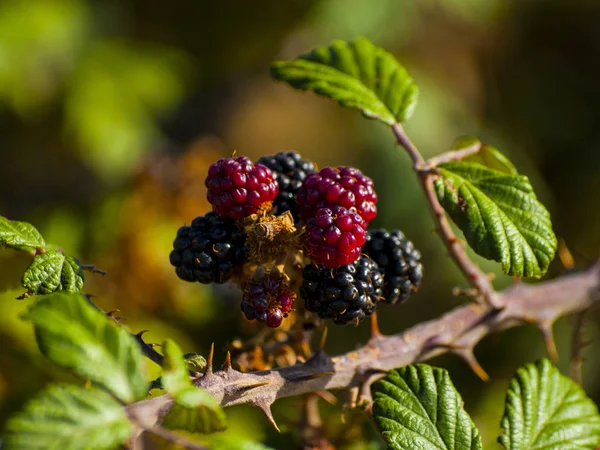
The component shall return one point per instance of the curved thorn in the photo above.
(141, 333)
(255, 385)
(209, 360)
(227, 364)
(375, 332)
(470, 359)
(313, 376)
(266, 409)
(323, 339)
(548, 335)
(565, 255)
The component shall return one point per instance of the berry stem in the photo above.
(455, 155)
(472, 272)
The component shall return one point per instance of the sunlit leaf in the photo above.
(175, 377)
(52, 271)
(418, 407)
(500, 216)
(356, 74)
(487, 155)
(69, 418)
(547, 410)
(195, 361)
(20, 235)
(73, 334)
(197, 411)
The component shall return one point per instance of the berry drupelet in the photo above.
(289, 170)
(398, 261)
(347, 294)
(268, 299)
(342, 186)
(334, 237)
(209, 250)
(237, 188)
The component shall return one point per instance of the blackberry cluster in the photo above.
(346, 294)
(268, 299)
(352, 270)
(334, 237)
(399, 262)
(289, 170)
(209, 250)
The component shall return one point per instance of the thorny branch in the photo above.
(426, 171)
(458, 331)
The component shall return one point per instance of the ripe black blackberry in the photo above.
(289, 170)
(209, 250)
(346, 294)
(399, 262)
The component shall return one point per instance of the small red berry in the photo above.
(274, 318)
(237, 188)
(342, 186)
(334, 237)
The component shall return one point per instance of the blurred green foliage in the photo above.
(111, 112)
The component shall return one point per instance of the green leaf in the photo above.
(69, 418)
(175, 377)
(547, 410)
(195, 361)
(52, 271)
(197, 411)
(487, 155)
(73, 334)
(20, 235)
(418, 407)
(235, 443)
(499, 215)
(357, 75)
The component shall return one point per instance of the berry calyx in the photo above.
(268, 298)
(289, 170)
(345, 295)
(238, 188)
(209, 250)
(342, 186)
(399, 262)
(334, 237)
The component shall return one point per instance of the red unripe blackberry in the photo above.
(399, 262)
(345, 295)
(289, 170)
(342, 186)
(334, 237)
(209, 250)
(237, 188)
(268, 298)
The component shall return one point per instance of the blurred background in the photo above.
(111, 112)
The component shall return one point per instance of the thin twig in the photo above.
(455, 155)
(577, 345)
(457, 330)
(310, 425)
(472, 272)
